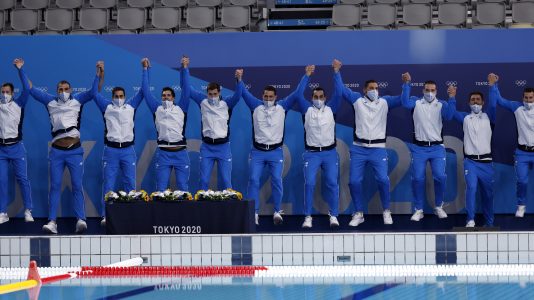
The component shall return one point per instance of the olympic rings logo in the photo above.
(314, 85)
(449, 83)
(108, 88)
(383, 84)
(520, 82)
(176, 88)
(248, 86)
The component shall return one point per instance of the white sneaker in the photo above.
(417, 215)
(357, 219)
(470, 224)
(28, 216)
(277, 218)
(388, 220)
(103, 222)
(334, 222)
(3, 218)
(257, 219)
(81, 226)
(438, 210)
(51, 227)
(520, 212)
(307, 222)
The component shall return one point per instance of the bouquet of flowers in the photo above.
(225, 195)
(171, 196)
(122, 196)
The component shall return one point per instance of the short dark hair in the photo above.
(63, 82)
(10, 85)
(528, 90)
(270, 88)
(213, 86)
(476, 93)
(430, 82)
(116, 89)
(366, 84)
(167, 88)
(318, 89)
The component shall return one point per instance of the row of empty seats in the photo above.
(127, 20)
(424, 15)
(108, 4)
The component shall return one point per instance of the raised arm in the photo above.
(184, 81)
(288, 101)
(491, 109)
(338, 87)
(101, 102)
(86, 96)
(495, 95)
(349, 95)
(138, 97)
(251, 101)
(407, 101)
(151, 101)
(447, 110)
(231, 101)
(22, 99)
(39, 95)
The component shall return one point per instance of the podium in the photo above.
(180, 217)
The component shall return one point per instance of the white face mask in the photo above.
(64, 96)
(528, 106)
(429, 97)
(118, 101)
(318, 103)
(476, 108)
(268, 104)
(5, 98)
(213, 101)
(167, 104)
(372, 94)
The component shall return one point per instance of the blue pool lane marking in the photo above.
(377, 289)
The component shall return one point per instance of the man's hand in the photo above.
(336, 64)
(18, 62)
(185, 62)
(492, 78)
(239, 74)
(100, 68)
(406, 77)
(451, 90)
(145, 63)
(310, 69)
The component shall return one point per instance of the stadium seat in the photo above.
(24, 20)
(387, 1)
(7, 4)
(69, 4)
(210, 3)
(129, 20)
(92, 21)
(381, 16)
(174, 3)
(140, 3)
(522, 14)
(416, 16)
(2, 20)
(165, 20)
(199, 19)
(103, 3)
(35, 4)
(489, 14)
(244, 2)
(422, 1)
(235, 18)
(452, 15)
(58, 20)
(345, 16)
(352, 1)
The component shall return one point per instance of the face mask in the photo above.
(429, 97)
(167, 104)
(64, 96)
(372, 95)
(118, 101)
(318, 103)
(476, 108)
(528, 106)
(213, 101)
(5, 98)
(268, 104)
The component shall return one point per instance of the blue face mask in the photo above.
(167, 104)
(64, 96)
(476, 108)
(213, 101)
(429, 97)
(268, 104)
(118, 101)
(5, 98)
(318, 103)
(372, 95)
(528, 105)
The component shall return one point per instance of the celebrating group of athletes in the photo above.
(268, 119)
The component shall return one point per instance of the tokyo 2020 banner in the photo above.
(459, 57)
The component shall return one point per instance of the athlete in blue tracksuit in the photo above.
(170, 117)
(524, 154)
(478, 164)
(320, 144)
(215, 112)
(427, 146)
(119, 136)
(268, 121)
(12, 149)
(65, 110)
(369, 145)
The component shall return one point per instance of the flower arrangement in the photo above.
(122, 196)
(225, 195)
(171, 196)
